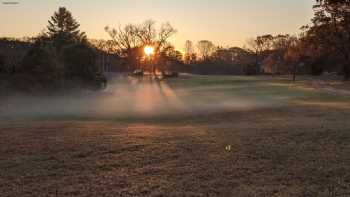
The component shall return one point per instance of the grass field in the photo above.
(193, 136)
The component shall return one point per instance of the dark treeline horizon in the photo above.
(62, 56)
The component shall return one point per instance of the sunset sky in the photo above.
(225, 22)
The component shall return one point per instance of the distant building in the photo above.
(107, 58)
(274, 64)
(109, 62)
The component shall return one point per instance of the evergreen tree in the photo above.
(63, 29)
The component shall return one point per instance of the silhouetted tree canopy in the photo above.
(63, 29)
(80, 61)
(62, 57)
(128, 41)
(42, 63)
(329, 34)
(63, 52)
(260, 45)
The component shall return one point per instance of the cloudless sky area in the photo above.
(225, 22)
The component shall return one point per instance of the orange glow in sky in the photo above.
(224, 22)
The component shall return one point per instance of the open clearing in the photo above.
(193, 136)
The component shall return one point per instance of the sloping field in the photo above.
(194, 136)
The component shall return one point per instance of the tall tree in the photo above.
(130, 39)
(276, 54)
(330, 30)
(64, 29)
(259, 45)
(294, 56)
(189, 50)
(205, 48)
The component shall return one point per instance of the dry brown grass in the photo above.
(296, 151)
(297, 145)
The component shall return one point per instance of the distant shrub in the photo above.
(42, 63)
(80, 65)
(220, 68)
(59, 59)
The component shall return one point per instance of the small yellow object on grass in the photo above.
(228, 148)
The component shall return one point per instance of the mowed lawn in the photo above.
(232, 136)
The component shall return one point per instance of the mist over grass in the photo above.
(128, 98)
(179, 136)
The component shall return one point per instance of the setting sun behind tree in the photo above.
(149, 50)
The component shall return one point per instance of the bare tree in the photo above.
(165, 32)
(130, 39)
(133, 36)
(259, 45)
(189, 50)
(123, 38)
(294, 54)
(205, 49)
(106, 46)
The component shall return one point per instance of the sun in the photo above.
(149, 50)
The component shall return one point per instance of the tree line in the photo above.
(59, 58)
(323, 46)
(63, 57)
